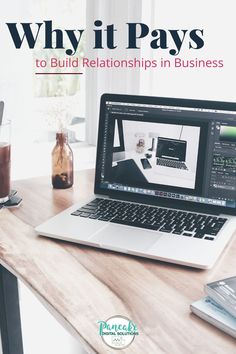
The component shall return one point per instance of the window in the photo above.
(60, 99)
(38, 105)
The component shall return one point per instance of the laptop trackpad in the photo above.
(128, 238)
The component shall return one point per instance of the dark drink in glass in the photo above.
(5, 162)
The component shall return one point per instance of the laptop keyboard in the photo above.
(171, 163)
(170, 221)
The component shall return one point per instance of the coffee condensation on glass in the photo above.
(5, 161)
(5, 167)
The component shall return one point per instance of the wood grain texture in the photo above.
(81, 285)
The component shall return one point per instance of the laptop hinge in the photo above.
(203, 209)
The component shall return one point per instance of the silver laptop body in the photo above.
(164, 213)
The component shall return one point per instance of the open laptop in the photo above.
(171, 153)
(139, 211)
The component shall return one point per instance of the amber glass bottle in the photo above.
(62, 163)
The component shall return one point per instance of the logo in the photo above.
(118, 332)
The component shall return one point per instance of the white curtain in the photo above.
(99, 81)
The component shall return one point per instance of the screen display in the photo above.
(171, 149)
(181, 153)
(228, 133)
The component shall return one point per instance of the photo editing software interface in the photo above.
(181, 153)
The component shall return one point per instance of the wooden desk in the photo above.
(81, 285)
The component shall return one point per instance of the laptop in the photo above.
(139, 211)
(171, 153)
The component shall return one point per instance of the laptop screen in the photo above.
(171, 149)
(167, 150)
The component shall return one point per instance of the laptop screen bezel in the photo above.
(147, 199)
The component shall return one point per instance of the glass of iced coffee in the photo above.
(5, 161)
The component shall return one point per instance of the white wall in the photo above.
(217, 18)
